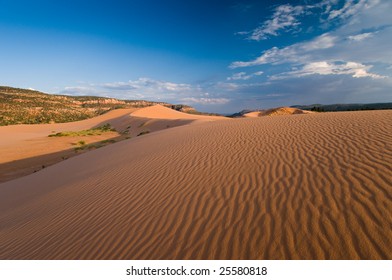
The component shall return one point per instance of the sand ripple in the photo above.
(292, 187)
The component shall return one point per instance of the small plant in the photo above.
(108, 141)
(78, 149)
(126, 131)
(143, 132)
(88, 132)
(82, 142)
(105, 127)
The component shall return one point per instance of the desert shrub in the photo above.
(108, 141)
(143, 132)
(88, 132)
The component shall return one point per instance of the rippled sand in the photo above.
(314, 186)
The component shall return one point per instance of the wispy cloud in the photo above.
(351, 8)
(150, 89)
(361, 37)
(335, 48)
(284, 18)
(150, 84)
(322, 42)
(288, 18)
(205, 100)
(244, 76)
(142, 88)
(295, 53)
(354, 69)
(345, 63)
(80, 90)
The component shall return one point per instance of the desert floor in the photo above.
(315, 186)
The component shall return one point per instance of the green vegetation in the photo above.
(143, 133)
(22, 106)
(344, 107)
(190, 110)
(126, 131)
(317, 109)
(88, 132)
(84, 146)
(142, 124)
(108, 141)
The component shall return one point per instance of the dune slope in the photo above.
(24, 149)
(297, 187)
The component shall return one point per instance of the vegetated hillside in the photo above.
(22, 106)
(190, 110)
(344, 107)
(279, 111)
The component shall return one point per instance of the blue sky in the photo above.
(218, 56)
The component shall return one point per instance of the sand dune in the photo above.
(25, 149)
(161, 112)
(296, 187)
(281, 111)
(158, 117)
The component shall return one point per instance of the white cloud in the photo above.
(80, 90)
(206, 101)
(360, 37)
(347, 42)
(142, 88)
(238, 76)
(268, 56)
(354, 69)
(284, 18)
(326, 5)
(345, 64)
(229, 87)
(154, 90)
(324, 41)
(351, 8)
(287, 18)
(244, 76)
(295, 53)
(149, 84)
(345, 11)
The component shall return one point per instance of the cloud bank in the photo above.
(347, 61)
